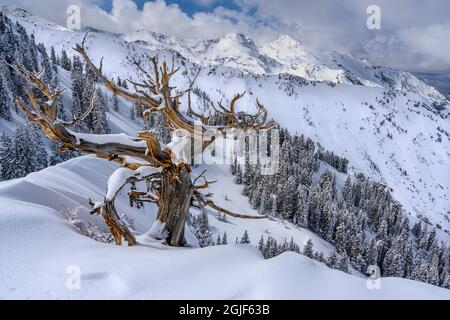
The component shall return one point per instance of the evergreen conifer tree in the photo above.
(245, 238)
(308, 249)
(66, 64)
(7, 157)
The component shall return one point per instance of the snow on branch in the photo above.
(123, 176)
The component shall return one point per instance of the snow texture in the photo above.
(40, 250)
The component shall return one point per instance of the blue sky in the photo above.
(188, 6)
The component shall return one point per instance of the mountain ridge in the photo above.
(284, 55)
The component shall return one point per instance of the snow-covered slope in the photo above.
(394, 128)
(42, 252)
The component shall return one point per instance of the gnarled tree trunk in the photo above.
(174, 203)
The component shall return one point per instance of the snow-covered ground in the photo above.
(42, 252)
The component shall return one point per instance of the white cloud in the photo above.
(414, 33)
(204, 3)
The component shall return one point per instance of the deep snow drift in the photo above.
(40, 250)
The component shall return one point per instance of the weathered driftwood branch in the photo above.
(205, 201)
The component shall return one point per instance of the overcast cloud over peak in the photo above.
(414, 34)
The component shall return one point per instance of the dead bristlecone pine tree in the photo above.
(165, 168)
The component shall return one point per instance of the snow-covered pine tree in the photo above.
(54, 59)
(407, 259)
(245, 238)
(99, 120)
(115, 103)
(356, 252)
(301, 212)
(418, 268)
(157, 124)
(255, 198)
(239, 177)
(30, 154)
(294, 247)
(343, 263)
(330, 228)
(138, 110)
(347, 192)
(314, 209)
(46, 65)
(40, 152)
(392, 263)
(431, 239)
(202, 231)
(249, 175)
(445, 267)
(446, 281)
(225, 238)
(332, 260)
(319, 257)
(7, 157)
(23, 153)
(260, 245)
(66, 64)
(218, 241)
(290, 198)
(432, 265)
(5, 104)
(77, 93)
(417, 230)
(265, 204)
(33, 52)
(26, 49)
(382, 236)
(340, 238)
(271, 248)
(308, 249)
(233, 166)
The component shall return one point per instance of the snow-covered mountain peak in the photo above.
(17, 11)
(285, 42)
(287, 50)
(288, 40)
(27, 18)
